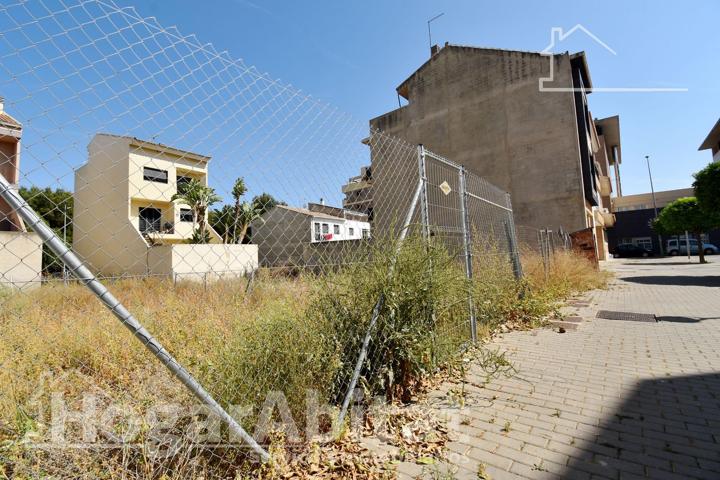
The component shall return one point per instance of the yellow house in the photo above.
(125, 222)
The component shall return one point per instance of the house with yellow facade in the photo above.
(126, 222)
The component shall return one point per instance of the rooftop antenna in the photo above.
(429, 32)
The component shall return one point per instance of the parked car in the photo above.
(631, 250)
(679, 247)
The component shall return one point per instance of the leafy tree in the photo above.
(200, 237)
(223, 221)
(265, 202)
(55, 207)
(233, 227)
(684, 214)
(199, 198)
(707, 188)
(232, 222)
(248, 213)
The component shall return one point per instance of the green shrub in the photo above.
(423, 319)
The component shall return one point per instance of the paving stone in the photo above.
(612, 399)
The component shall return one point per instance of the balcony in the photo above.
(603, 217)
(605, 186)
(356, 183)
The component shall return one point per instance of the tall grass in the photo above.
(287, 335)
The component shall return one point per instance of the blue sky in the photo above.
(354, 54)
(71, 69)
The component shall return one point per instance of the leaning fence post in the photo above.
(512, 239)
(467, 250)
(377, 308)
(83, 274)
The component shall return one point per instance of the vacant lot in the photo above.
(290, 335)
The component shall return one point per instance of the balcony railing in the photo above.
(155, 226)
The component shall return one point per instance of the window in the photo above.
(365, 233)
(351, 231)
(182, 181)
(186, 215)
(150, 219)
(645, 242)
(316, 227)
(155, 175)
(325, 228)
(336, 229)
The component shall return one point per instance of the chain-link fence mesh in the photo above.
(250, 236)
(545, 242)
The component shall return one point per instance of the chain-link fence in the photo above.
(256, 241)
(545, 242)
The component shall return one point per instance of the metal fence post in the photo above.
(424, 211)
(83, 274)
(551, 243)
(377, 308)
(467, 247)
(546, 252)
(512, 240)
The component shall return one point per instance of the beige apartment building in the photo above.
(635, 214)
(483, 108)
(125, 222)
(20, 250)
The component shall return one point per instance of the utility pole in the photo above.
(652, 190)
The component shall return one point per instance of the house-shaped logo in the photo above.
(557, 36)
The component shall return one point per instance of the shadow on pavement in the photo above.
(681, 280)
(664, 264)
(674, 319)
(665, 426)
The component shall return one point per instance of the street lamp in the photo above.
(652, 190)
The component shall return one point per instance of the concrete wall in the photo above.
(326, 256)
(20, 260)
(483, 109)
(281, 236)
(202, 262)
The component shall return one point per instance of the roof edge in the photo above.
(402, 88)
(714, 132)
(158, 147)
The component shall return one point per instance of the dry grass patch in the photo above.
(286, 334)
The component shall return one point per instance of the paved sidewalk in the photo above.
(613, 399)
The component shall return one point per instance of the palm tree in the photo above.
(248, 213)
(222, 220)
(239, 189)
(199, 198)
